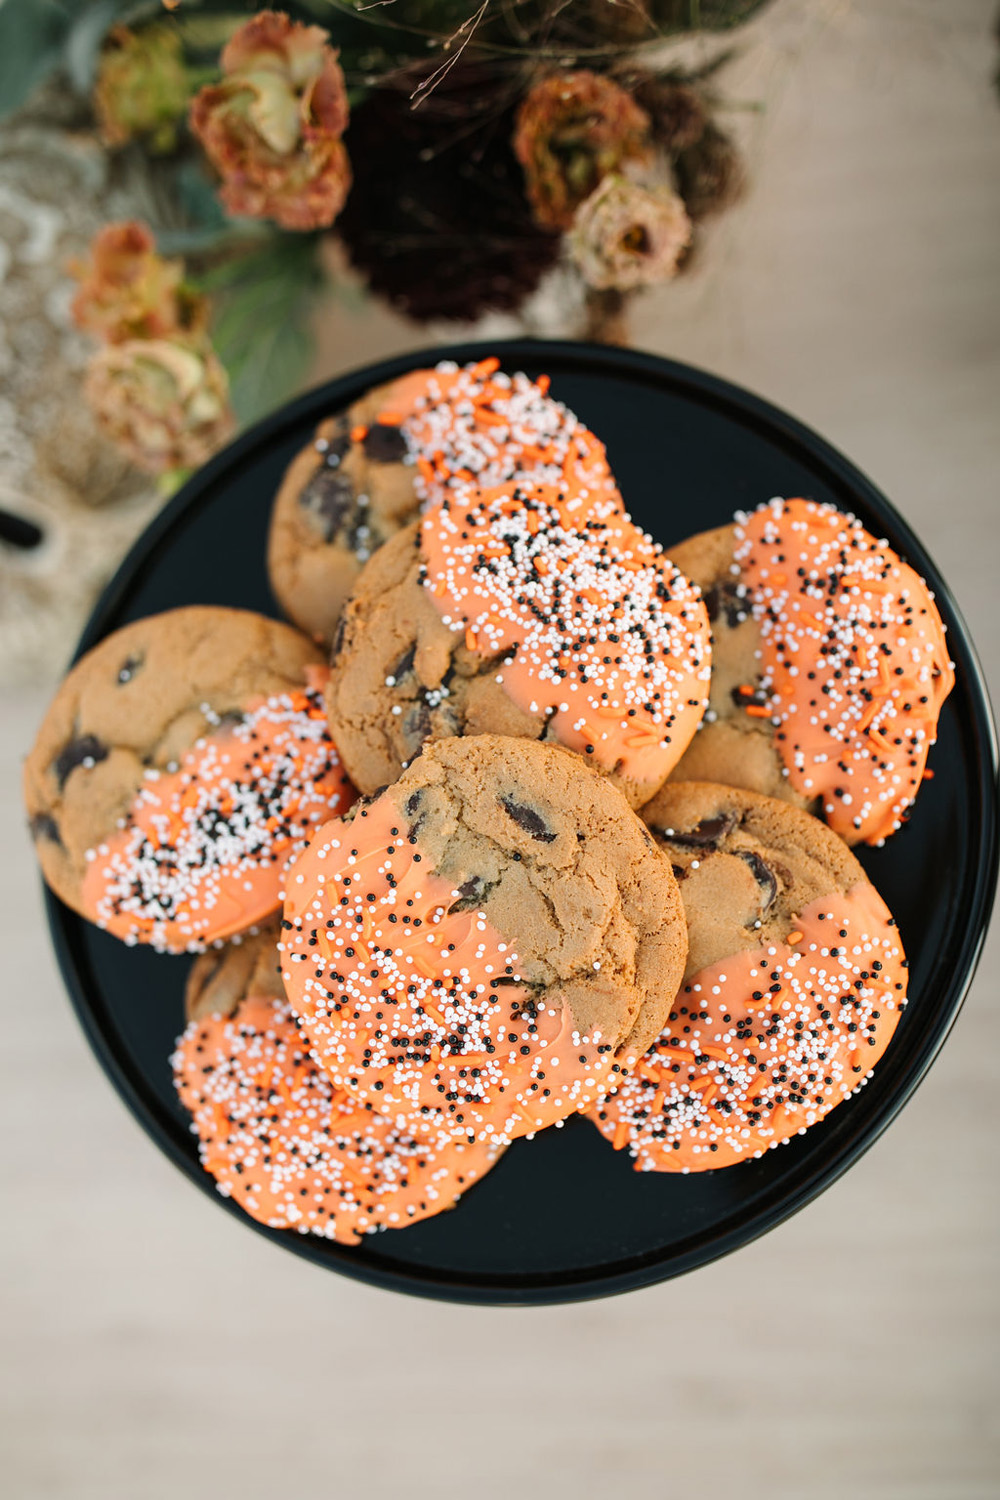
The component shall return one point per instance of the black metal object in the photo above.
(18, 531)
(564, 1217)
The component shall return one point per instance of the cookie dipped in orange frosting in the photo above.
(475, 425)
(487, 943)
(521, 610)
(789, 998)
(830, 666)
(294, 1151)
(183, 761)
(369, 469)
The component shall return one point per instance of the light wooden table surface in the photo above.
(153, 1348)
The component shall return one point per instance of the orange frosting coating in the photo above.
(854, 660)
(411, 1006)
(200, 854)
(295, 1152)
(475, 425)
(763, 1044)
(593, 625)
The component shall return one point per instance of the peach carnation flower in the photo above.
(626, 235)
(142, 86)
(165, 403)
(127, 291)
(272, 126)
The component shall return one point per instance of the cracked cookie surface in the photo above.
(181, 762)
(399, 676)
(488, 941)
(220, 978)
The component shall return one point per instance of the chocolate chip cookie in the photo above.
(291, 1149)
(221, 978)
(487, 942)
(795, 984)
(369, 469)
(181, 763)
(529, 610)
(341, 498)
(830, 666)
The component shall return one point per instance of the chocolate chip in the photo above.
(87, 747)
(44, 826)
(329, 498)
(414, 828)
(759, 697)
(338, 639)
(417, 725)
(412, 802)
(708, 834)
(763, 875)
(337, 444)
(385, 443)
(470, 894)
(231, 718)
(730, 599)
(528, 819)
(405, 663)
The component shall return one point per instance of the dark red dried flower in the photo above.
(711, 174)
(676, 110)
(437, 221)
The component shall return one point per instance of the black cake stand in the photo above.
(563, 1216)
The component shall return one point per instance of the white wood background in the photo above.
(153, 1348)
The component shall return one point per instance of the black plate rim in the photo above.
(657, 1266)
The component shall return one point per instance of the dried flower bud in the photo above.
(572, 129)
(272, 126)
(127, 291)
(676, 111)
(165, 403)
(710, 175)
(626, 235)
(142, 87)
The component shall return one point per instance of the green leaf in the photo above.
(198, 224)
(198, 198)
(39, 36)
(32, 36)
(260, 330)
(83, 44)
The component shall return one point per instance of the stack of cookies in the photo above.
(519, 819)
